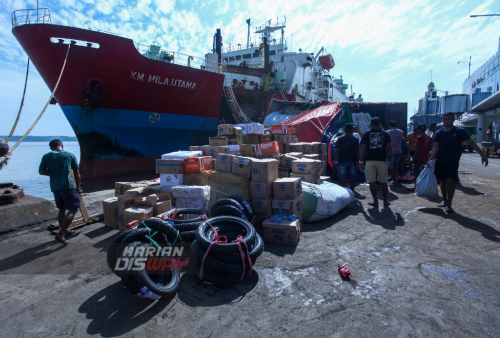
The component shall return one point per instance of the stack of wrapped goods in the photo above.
(171, 167)
(196, 197)
(284, 135)
(287, 208)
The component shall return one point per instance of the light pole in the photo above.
(478, 15)
(470, 58)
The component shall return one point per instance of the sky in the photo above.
(384, 49)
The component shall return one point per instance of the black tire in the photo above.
(164, 227)
(235, 202)
(186, 211)
(248, 209)
(127, 279)
(111, 255)
(215, 266)
(229, 210)
(255, 251)
(244, 226)
(136, 280)
(183, 227)
(188, 236)
(135, 235)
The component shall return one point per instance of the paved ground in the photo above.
(416, 271)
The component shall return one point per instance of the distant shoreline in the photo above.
(40, 138)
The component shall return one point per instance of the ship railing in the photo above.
(178, 58)
(31, 17)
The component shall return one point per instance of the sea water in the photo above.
(23, 167)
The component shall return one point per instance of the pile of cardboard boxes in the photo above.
(263, 166)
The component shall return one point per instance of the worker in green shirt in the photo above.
(57, 164)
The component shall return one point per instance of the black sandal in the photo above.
(450, 210)
(60, 240)
(442, 205)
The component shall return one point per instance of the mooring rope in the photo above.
(22, 104)
(4, 158)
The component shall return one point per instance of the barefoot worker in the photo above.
(447, 152)
(376, 144)
(58, 164)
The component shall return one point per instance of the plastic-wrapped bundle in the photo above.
(324, 200)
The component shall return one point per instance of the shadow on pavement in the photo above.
(114, 311)
(486, 231)
(383, 217)
(280, 250)
(98, 232)
(196, 293)
(468, 190)
(28, 255)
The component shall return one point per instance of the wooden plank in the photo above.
(78, 222)
(83, 209)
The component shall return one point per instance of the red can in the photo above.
(344, 270)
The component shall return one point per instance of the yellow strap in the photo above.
(220, 191)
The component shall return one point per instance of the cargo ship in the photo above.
(127, 103)
(130, 103)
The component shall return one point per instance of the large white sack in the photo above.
(331, 199)
(426, 181)
(191, 191)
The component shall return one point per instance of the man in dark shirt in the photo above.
(376, 144)
(346, 156)
(422, 149)
(447, 151)
(58, 164)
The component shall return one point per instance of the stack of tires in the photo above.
(187, 228)
(221, 258)
(133, 246)
(233, 206)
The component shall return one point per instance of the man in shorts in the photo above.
(376, 145)
(346, 156)
(397, 153)
(447, 152)
(57, 164)
(422, 149)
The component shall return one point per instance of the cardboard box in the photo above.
(171, 180)
(224, 162)
(308, 178)
(225, 129)
(110, 207)
(234, 139)
(242, 166)
(322, 168)
(322, 147)
(237, 130)
(253, 138)
(213, 151)
(262, 207)
(323, 157)
(264, 170)
(142, 192)
(223, 184)
(282, 148)
(282, 129)
(261, 190)
(287, 188)
(286, 161)
(218, 141)
(264, 138)
(296, 154)
(162, 207)
(312, 156)
(270, 156)
(194, 148)
(170, 166)
(304, 166)
(309, 148)
(325, 179)
(195, 203)
(267, 148)
(284, 172)
(293, 148)
(198, 164)
(181, 154)
(283, 233)
(290, 207)
(285, 139)
(122, 187)
(137, 214)
(247, 149)
(200, 179)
